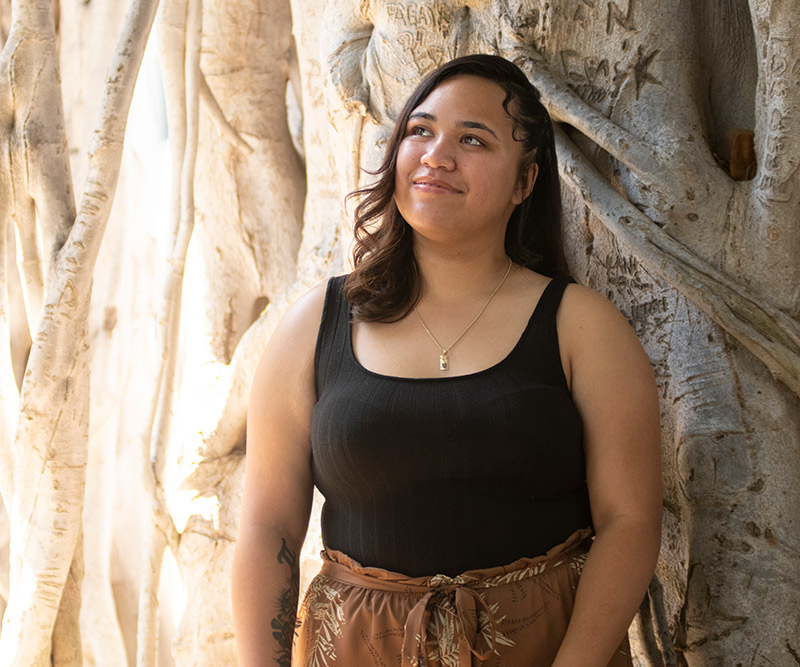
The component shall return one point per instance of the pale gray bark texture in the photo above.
(85, 70)
(679, 149)
(44, 485)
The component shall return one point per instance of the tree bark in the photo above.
(46, 490)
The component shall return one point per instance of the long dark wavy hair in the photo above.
(385, 283)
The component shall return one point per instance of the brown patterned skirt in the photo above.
(511, 616)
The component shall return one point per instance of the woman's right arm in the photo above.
(276, 502)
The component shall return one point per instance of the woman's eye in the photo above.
(419, 131)
(472, 140)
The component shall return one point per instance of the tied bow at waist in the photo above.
(450, 606)
(356, 610)
(458, 609)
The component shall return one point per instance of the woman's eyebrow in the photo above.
(472, 124)
(475, 125)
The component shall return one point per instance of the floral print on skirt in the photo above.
(509, 616)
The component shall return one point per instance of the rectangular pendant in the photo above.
(444, 363)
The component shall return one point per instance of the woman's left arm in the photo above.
(613, 387)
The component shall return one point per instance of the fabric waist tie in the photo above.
(463, 598)
(475, 622)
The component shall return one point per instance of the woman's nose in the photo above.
(439, 155)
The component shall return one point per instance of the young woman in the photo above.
(485, 432)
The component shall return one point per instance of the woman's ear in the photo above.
(525, 183)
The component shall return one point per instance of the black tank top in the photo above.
(442, 475)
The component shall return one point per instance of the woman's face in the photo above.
(457, 170)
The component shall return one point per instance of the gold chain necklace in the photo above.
(444, 361)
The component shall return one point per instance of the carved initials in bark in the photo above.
(617, 17)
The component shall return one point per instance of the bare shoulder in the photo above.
(614, 389)
(587, 314)
(290, 351)
(301, 320)
(278, 484)
(594, 334)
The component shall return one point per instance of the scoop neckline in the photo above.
(351, 351)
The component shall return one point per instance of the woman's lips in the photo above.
(434, 185)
